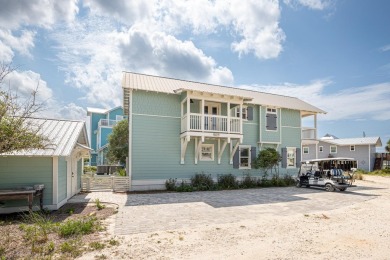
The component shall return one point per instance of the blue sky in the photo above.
(332, 54)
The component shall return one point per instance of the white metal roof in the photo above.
(137, 81)
(355, 141)
(63, 136)
(100, 110)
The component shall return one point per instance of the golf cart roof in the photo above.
(328, 160)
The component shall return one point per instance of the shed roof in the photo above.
(63, 136)
(138, 81)
(355, 141)
(101, 110)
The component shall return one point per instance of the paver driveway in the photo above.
(140, 213)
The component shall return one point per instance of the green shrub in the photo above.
(227, 181)
(184, 187)
(289, 180)
(121, 172)
(90, 169)
(96, 245)
(170, 184)
(202, 181)
(78, 227)
(99, 205)
(71, 247)
(248, 181)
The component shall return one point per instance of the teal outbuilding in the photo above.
(58, 168)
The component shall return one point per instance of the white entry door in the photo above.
(210, 111)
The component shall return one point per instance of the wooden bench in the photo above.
(29, 194)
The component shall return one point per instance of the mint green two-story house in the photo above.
(178, 128)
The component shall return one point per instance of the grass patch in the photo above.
(96, 245)
(79, 227)
(99, 205)
(71, 247)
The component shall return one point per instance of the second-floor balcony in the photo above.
(210, 123)
(309, 133)
(107, 122)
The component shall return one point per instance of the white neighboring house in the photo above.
(363, 149)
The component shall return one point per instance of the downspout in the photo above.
(130, 119)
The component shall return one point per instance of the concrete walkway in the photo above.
(140, 213)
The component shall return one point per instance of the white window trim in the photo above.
(119, 118)
(330, 149)
(295, 157)
(273, 110)
(249, 157)
(354, 148)
(212, 153)
(321, 149)
(305, 147)
(236, 111)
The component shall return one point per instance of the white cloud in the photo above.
(42, 13)
(311, 4)
(6, 53)
(357, 103)
(21, 44)
(253, 24)
(24, 83)
(72, 111)
(385, 48)
(159, 53)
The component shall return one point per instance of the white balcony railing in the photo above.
(309, 133)
(107, 122)
(210, 123)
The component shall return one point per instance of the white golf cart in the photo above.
(330, 173)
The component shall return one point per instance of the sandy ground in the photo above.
(359, 230)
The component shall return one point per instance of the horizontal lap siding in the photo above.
(156, 141)
(105, 132)
(62, 184)
(311, 154)
(27, 171)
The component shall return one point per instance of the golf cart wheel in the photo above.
(329, 187)
(343, 189)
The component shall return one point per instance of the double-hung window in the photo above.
(306, 150)
(352, 148)
(333, 149)
(245, 157)
(291, 157)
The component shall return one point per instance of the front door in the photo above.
(211, 110)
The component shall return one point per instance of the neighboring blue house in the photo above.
(362, 149)
(100, 124)
(178, 128)
(58, 168)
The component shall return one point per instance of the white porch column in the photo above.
(188, 114)
(202, 117)
(228, 117)
(315, 126)
(240, 118)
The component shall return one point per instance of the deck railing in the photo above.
(210, 123)
(107, 122)
(309, 133)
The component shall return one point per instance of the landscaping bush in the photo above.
(170, 184)
(227, 181)
(184, 187)
(78, 227)
(202, 182)
(248, 181)
(90, 169)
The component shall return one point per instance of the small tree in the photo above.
(16, 131)
(118, 142)
(387, 147)
(267, 159)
